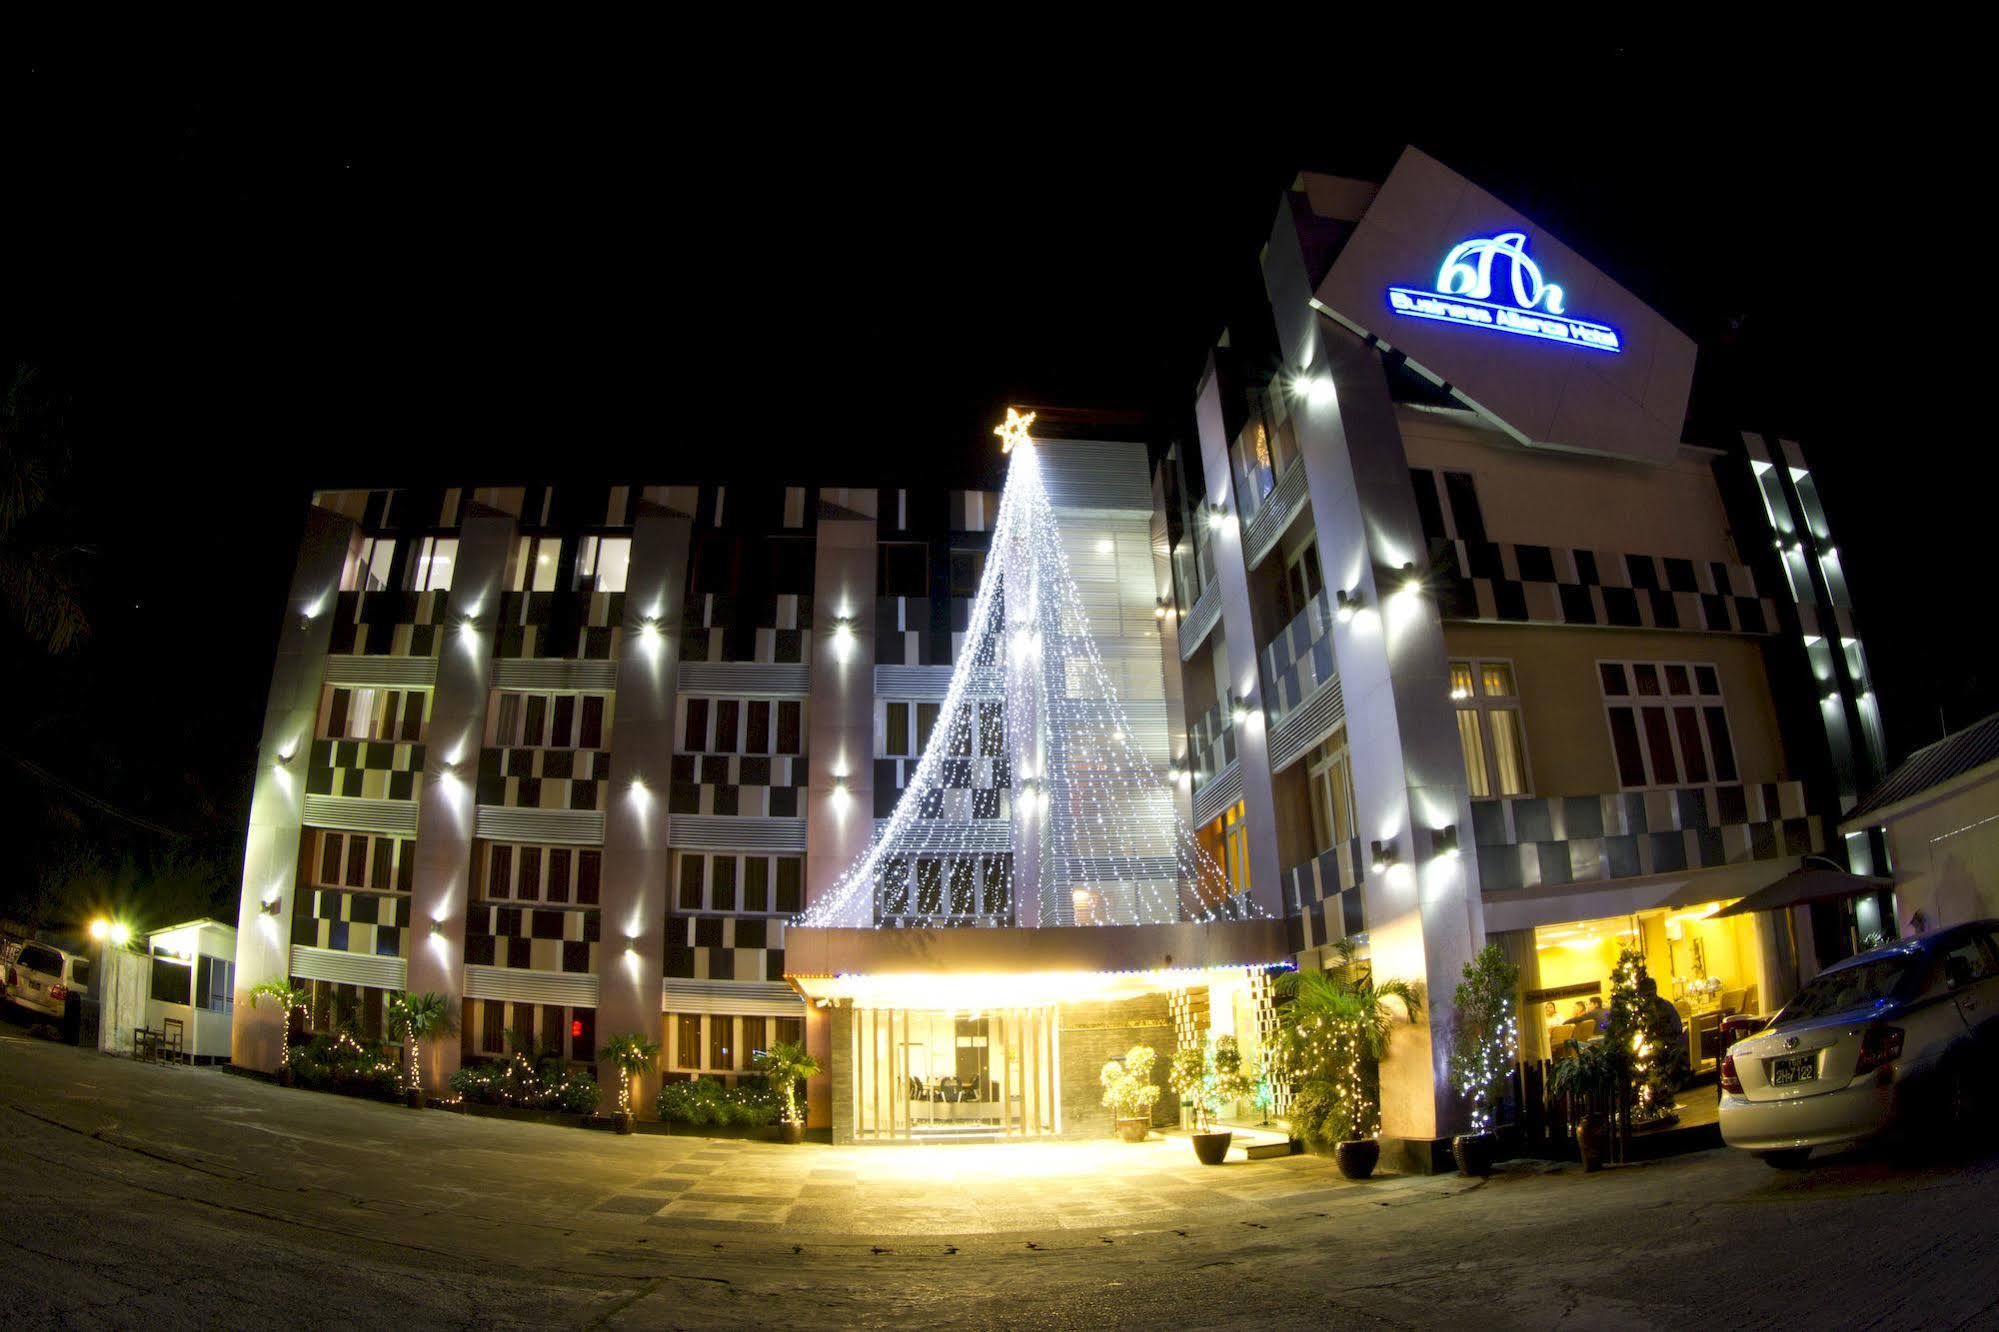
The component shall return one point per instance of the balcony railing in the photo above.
(1274, 514)
(1199, 618)
(1548, 841)
(1298, 661)
(1211, 744)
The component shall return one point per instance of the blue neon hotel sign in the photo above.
(1464, 296)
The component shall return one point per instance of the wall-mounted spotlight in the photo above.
(1346, 603)
(1444, 841)
(272, 905)
(437, 929)
(843, 637)
(631, 945)
(468, 625)
(1381, 856)
(1218, 516)
(1159, 608)
(1238, 709)
(286, 755)
(1412, 582)
(649, 629)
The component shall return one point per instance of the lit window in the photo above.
(1330, 775)
(430, 571)
(534, 562)
(1490, 732)
(602, 563)
(368, 568)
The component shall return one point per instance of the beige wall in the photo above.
(1946, 856)
(1544, 498)
(1561, 697)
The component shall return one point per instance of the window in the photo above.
(967, 568)
(1668, 723)
(1302, 580)
(741, 726)
(372, 714)
(602, 563)
(549, 721)
(1489, 729)
(173, 978)
(368, 568)
(903, 569)
(1329, 774)
(557, 874)
(721, 1035)
(1235, 849)
(214, 984)
(687, 1040)
(430, 571)
(755, 1040)
(534, 564)
(736, 882)
(357, 860)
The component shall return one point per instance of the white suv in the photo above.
(1902, 1033)
(41, 978)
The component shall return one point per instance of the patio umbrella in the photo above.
(1807, 883)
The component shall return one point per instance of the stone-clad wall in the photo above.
(1095, 1032)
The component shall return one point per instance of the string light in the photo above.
(1031, 726)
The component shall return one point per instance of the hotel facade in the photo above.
(1436, 631)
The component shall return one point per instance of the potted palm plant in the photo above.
(631, 1055)
(1485, 1043)
(416, 1017)
(1334, 1037)
(1589, 1075)
(784, 1066)
(290, 999)
(1129, 1093)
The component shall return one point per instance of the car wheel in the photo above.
(1791, 1158)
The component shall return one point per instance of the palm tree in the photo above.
(784, 1066)
(289, 998)
(1336, 1031)
(631, 1054)
(416, 1017)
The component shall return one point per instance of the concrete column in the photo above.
(277, 804)
(1252, 737)
(1424, 917)
(840, 722)
(631, 955)
(441, 885)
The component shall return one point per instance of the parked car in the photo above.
(1897, 1038)
(41, 978)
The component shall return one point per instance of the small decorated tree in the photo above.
(1129, 1093)
(1637, 1027)
(290, 999)
(1210, 1076)
(1485, 1034)
(1332, 1039)
(415, 1018)
(784, 1066)
(630, 1054)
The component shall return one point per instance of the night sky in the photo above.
(249, 291)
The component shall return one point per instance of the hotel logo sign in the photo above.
(1465, 290)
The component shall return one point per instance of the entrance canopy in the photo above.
(1807, 883)
(977, 968)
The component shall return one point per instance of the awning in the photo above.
(1807, 883)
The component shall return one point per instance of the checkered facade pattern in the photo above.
(532, 938)
(372, 924)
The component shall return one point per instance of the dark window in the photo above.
(589, 868)
(929, 887)
(1647, 676)
(336, 715)
(992, 730)
(1687, 723)
(689, 1040)
(592, 734)
(964, 896)
(493, 1026)
(413, 716)
(728, 712)
(537, 708)
(1706, 679)
(790, 727)
(895, 730)
(173, 979)
(1423, 482)
(500, 871)
(383, 874)
(720, 1034)
(967, 568)
(357, 864)
(1658, 742)
(756, 738)
(530, 880)
(926, 722)
(1624, 740)
(1676, 679)
(790, 565)
(690, 881)
(790, 884)
(563, 732)
(1718, 739)
(790, 1030)
(756, 884)
(904, 569)
(1613, 678)
(329, 857)
(722, 885)
(697, 725)
(558, 874)
(1463, 495)
(755, 1039)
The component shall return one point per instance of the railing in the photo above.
(1211, 744)
(1199, 619)
(1534, 841)
(1298, 660)
(1278, 508)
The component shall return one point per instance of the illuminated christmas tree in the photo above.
(1032, 804)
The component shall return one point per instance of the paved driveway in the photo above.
(174, 1196)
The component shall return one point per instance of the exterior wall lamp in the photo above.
(1444, 841)
(1159, 608)
(1381, 856)
(1346, 603)
(1238, 709)
(1412, 582)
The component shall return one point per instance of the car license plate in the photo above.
(1797, 1068)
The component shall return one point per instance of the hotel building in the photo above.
(1435, 631)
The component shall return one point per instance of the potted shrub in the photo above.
(416, 1017)
(630, 1054)
(1128, 1092)
(290, 999)
(784, 1066)
(1208, 1077)
(1589, 1075)
(1332, 1041)
(1485, 1043)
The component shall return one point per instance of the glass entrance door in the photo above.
(939, 1076)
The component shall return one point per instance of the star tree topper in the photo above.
(1013, 430)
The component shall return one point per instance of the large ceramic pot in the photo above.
(793, 1131)
(1134, 1130)
(1473, 1152)
(627, 1122)
(415, 1098)
(1357, 1157)
(1592, 1135)
(1212, 1148)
